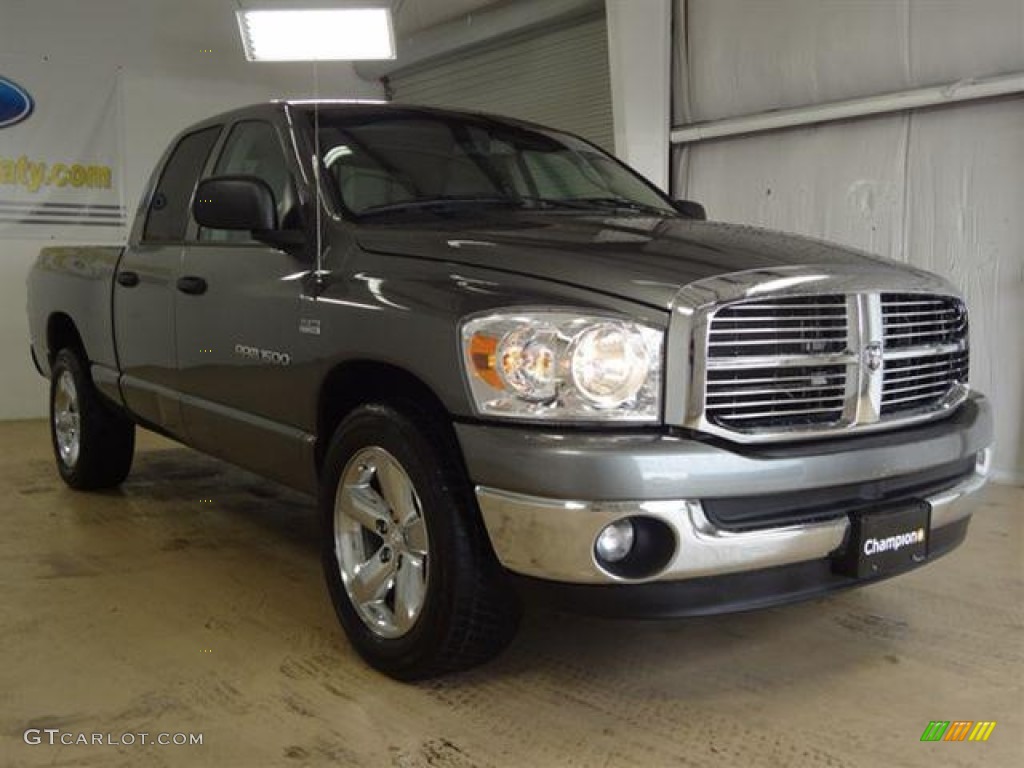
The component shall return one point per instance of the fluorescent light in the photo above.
(346, 34)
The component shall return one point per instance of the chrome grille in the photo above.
(926, 353)
(798, 326)
(764, 397)
(918, 320)
(812, 365)
(745, 396)
(914, 383)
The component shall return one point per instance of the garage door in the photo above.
(556, 77)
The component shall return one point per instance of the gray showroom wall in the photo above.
(940, 188)
(180, 61)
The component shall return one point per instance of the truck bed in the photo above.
(75, 282)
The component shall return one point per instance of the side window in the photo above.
(253, 149)
(168, 213)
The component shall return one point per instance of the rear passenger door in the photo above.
(144, 287)
(240, 352)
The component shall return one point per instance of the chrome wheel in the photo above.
(67, 419)
(380, 542)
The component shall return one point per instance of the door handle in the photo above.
(192, 285)
(128, 279)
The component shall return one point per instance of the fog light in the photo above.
(615, 541)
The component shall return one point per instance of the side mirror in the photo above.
(691, 210)
(235, 202)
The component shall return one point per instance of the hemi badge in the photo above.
(310, 326)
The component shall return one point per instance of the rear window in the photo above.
(168, 213)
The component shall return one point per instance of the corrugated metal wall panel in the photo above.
(839, 182)
(748, 56)
(558, 77)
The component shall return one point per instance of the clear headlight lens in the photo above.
(527, 364)
(610, 364)
(558, 366)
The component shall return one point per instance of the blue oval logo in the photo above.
(15, 103)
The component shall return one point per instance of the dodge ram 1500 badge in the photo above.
(505, 362)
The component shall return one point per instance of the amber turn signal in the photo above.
(483, 351)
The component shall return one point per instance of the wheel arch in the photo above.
(62, 332)
(354, 383)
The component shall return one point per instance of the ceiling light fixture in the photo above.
(340, 34)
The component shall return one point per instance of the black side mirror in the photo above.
(691, 210)
(235, 202)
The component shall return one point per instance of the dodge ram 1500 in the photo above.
(503, 361)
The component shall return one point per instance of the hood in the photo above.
(639, 258)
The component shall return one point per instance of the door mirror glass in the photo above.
(691, 210)
(235, 203)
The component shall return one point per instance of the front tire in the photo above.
(92, 443)
(408, 564)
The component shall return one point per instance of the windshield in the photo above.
(396, 160)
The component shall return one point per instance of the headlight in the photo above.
(557, 366)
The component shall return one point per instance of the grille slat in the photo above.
(920, 399)
(788, 340)
(941, 377)
(940, 386)
(740, 331)
(811, 399)
(892, 337)
(782, 379)
(744, 319)
(795, 393)
(945, 324)
(776, 413)
(788, 305)
(910, 365)
(916, 306)
(938, 312)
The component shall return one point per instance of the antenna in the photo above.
(316, 172)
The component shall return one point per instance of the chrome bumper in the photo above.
(554, 539)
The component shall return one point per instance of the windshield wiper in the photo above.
(556, 202)
(618, 202)
(440, 201)
(537, 203)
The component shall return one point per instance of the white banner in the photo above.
(60, 140)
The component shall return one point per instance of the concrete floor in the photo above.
(192, 601)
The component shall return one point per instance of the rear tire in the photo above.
(409, 566)
(92, 443)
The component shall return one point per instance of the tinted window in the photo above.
(396, 160)
(169, 207)
(252, 149)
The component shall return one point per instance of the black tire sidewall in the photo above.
(451, 557)
(68, 361)
(106, 438)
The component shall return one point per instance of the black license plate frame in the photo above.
(885, 542)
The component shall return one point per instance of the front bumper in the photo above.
(709, 595)
(537, 494)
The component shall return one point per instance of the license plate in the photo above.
(886, 542)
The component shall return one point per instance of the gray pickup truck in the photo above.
(504, 362)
